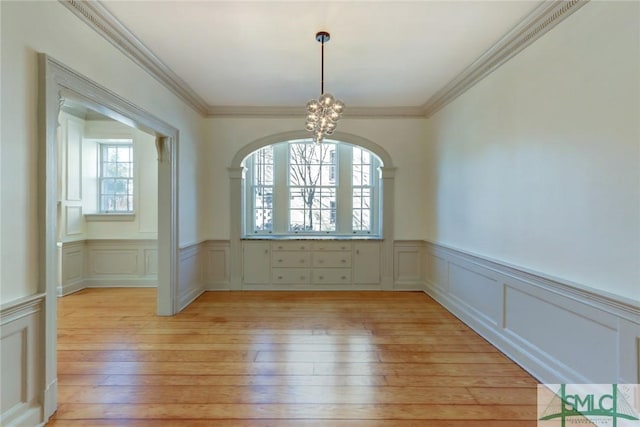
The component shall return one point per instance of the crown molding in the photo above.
(93, 13)
(533, 26)
(349, 112)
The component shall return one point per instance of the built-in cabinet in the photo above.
(309, 263)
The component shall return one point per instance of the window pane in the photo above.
(366, 172)
(116, 178)
(263, 166)
(263, 208)
(357, 174)
(124, 154)
(312, 187)
(312, 210)
(361, 209)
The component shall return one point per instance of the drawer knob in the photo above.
(344, 277)
(302, 261)
(321, 261)
(279, 260)
(343, 261)
(321, 277)
(279, 277)
(302, 277)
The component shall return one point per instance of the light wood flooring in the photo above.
(281, 359)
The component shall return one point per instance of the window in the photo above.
(262, 189)
(312, 192)
(301, 188)
(115, 178)
(362, 168)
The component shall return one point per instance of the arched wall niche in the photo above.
(236, 177)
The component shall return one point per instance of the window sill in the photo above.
(308, 237)
(105, 217)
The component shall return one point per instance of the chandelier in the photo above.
(323, 113)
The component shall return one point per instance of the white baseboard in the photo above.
(558, 333)
(70, 287)
(120, 282)
(189, 297)
(50, 399)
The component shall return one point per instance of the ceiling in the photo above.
(264, 53)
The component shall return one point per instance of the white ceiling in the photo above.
(264, 53)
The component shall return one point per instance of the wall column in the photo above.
(388, 183)
(236, 177)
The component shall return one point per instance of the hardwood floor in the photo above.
(281, 359)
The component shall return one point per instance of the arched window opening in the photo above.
(300, 188)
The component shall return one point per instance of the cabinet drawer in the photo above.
(331, 259)
(291, 275)
(290, 259)
(331, 275)
(291, 246)
(331, 246)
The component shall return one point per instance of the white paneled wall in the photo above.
(20, 355)
(108, 263)
(408, 256)
(559, 332)
(191, 280)
(216, 264)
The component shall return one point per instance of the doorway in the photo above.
(58, 83)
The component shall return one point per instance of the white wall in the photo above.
(31, 27)
(399, 137)
(538, 165)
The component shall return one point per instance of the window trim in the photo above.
(113, 215)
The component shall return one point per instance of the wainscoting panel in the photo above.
(108, 263)
(567, 333)
(191, 283)
(477, 291)
(558, 332)
(436, 271)
(216, 268)
(408, 256)
(113, 262)
(73, 267)
(21, 360)
(120, 263)
(73, 220)
(150, 262)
